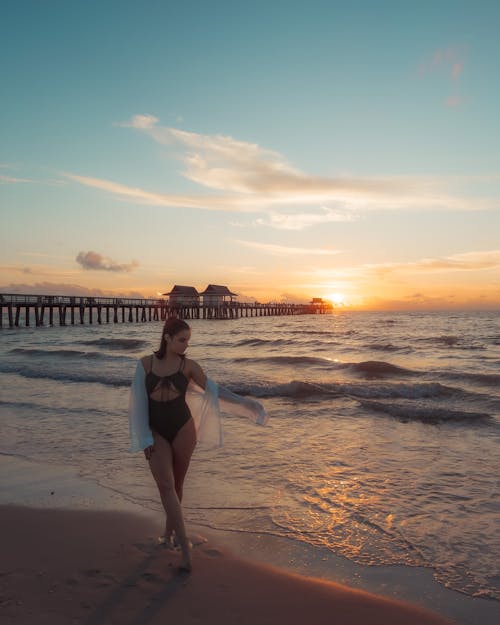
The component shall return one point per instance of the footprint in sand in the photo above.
(198, 540)
(101, 578)
(144, 547)
(214, 553)
(152, 577)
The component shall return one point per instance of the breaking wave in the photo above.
(427, 414)
(117, 343)
(379, 368)
(107, 379)
(59, 353)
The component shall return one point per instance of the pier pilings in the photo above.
(17, 309)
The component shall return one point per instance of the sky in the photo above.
(286, 149)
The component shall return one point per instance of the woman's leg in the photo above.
(183, 446)
(161, 465)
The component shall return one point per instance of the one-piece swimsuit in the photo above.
(169, 416)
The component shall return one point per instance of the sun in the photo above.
(336, 298)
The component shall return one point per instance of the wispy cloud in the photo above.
(44, 255)
(454, 101)
(466, 261)
(17, 269)
(97, 262)
(226, 164)
(456, 70)
(250, 271)
(143, 196)
(299, 220)
(450, 60)
(64, 288)
(36, 270)
(13, 180)
(283, 250)
(239, 176)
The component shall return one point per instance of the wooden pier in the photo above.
(40, 310)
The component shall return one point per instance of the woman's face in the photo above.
(179, 342)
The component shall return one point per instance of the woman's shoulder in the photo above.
(188, 362)
(146, 361)
(190, 365)
(194, 372)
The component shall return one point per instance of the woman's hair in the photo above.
(172, 326)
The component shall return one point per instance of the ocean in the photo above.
(382, 444)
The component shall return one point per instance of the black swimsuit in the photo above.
(168, 417)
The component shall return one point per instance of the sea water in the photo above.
(382, 444)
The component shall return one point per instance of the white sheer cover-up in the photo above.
(205, 406)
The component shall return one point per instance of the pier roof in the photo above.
(217, 289)
(183, 290)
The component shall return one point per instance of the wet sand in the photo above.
(82, 552)
(101, 567)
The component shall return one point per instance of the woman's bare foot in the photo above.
(167, 540)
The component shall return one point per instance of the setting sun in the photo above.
(336, 298)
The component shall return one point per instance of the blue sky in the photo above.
(286, 149)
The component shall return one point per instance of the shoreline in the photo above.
(101, 567)
(59, 490)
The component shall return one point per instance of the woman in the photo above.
(162, 424)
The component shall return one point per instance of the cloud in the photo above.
(38, 270)
(454, 101)
(450, 59)
(96, 262)
(466, 261)
(301, 220)
(248, 270)
(143, 196)
(438, 303)
(371, 194)
(456, 70)
(64, 288)
(226, 164)
(239, 176)
(44, 255)
(283, 250)
(141, 122)
(13, 180)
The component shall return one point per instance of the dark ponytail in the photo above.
(173, 325)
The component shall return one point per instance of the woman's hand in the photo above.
(148, 451)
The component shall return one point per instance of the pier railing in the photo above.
(18, 309)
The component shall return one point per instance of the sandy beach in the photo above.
(74, 552)
(97, 567)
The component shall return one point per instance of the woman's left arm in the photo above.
(196, 373)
